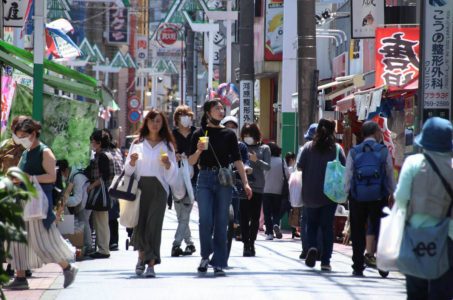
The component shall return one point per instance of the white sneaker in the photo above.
(139, 267)
(269, 237)
(150, 272)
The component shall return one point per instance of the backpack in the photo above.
(368, 182)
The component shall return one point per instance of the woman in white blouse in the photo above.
(152, 159)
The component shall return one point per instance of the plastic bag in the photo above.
(295, 189)
(390, 237)
(187, 174)
(334, 180)
(129, 211)
(36, 208)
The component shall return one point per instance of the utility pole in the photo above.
(38, 60)
(190, 35)
(246, 62)
(306, 58)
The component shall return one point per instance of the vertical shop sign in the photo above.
(246, 102)
(366, 16)
(397, 56)
(436, 86)
(141, 49)
(14, 12)
(118, 25)
(273, 48)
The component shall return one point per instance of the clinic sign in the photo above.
(436, 85)
(246, 102)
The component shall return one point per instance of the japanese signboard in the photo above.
(118, 29)
(397, 56)
(141, 49)
(246, 102)
(14, 12)
(219, 42)
(356, 57)
(366, 16)
(273, 48)
(437, 58)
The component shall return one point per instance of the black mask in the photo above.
(214, 121)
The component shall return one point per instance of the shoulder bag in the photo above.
(124, 187)
(424, 251)
(225, 175)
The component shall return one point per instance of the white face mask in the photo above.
(249, 140)
(25, 142)
(16, 139)
(186, 121)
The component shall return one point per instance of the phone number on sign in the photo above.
(437, 104)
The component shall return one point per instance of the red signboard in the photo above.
(169, 36)
(397, 56)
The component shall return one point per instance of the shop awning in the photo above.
(72, 82)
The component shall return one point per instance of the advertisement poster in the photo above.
(366, 16)
(273, 48)
(437, 57)
(397, 56)
(66, 133)
(118, 29)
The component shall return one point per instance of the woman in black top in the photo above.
(213, 198)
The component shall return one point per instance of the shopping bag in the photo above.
(37, 207)
(129, 211)
(178, 188)
(124, 187)
(334, 180)
(99, 199)
(187, 175)
(390, 236)
(295, 189)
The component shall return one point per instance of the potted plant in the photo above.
(12, 196)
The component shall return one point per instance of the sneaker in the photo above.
(269, 237)
(176, 251)
(190, 249)
(303, 255)
(69, 276)
(219, 272)
(357, 273)
(150, 272)
(99, 255)
(247, 251)
(370, 260)
(140, 267)
(203, 267)
(278, 233)
(312, 254)
(326, 268)
(18, 284)
(113, 247)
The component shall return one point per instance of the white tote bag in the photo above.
(129, 211)
(390, 237)
(178, 188)
(295, 189)
(36, 208)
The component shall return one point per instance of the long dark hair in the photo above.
(164, 133)
(324, 139)
(207, 108)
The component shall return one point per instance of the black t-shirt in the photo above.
(183, 143)
(223, 141)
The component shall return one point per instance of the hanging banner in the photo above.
(118, 25)
(397, 56)
(437, 59)
(14, 12)
(366, 16)
(8, 89)
(273, 48)
(67, 133)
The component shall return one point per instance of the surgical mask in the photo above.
(186, 121)
(249, 140)
(25, 142)
(16, 139)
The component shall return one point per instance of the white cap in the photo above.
(230, 119)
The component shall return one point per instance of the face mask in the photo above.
(25, 142)
(249, 140)
(186, 121)
(214, 121)
(16, 139)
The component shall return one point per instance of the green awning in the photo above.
(78, 83)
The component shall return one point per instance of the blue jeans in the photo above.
(321, 217)
(437, 289)
(304, 233)
(213, 205)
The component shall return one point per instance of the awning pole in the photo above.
(38, 60)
